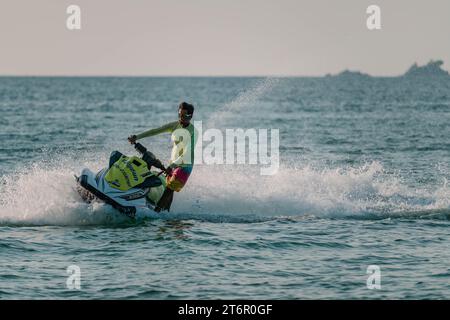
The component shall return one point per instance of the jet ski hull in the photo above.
(132, 203)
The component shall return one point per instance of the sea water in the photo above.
(363, 181)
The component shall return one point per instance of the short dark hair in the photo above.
(188, 107)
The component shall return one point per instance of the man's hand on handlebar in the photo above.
(132, 139)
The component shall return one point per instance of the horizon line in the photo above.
(362, 73)
(188, 76)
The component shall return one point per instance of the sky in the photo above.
(220, 37)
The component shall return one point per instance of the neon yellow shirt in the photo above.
(183, 139)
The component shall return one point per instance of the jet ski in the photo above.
(128, 184)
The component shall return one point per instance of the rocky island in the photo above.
(431, 69)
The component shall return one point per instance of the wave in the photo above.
(361, 191)
(45, 194)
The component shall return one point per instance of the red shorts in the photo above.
(178, 178)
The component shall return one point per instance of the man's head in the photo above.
(185, 113)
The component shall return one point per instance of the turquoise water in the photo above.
(363, 180)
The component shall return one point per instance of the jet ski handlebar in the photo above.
(149, 157)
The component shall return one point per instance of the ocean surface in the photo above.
(363, 181)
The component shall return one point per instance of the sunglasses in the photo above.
(184, 116)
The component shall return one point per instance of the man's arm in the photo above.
(165, 128)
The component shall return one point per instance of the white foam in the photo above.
(46, 194)
(329, 192)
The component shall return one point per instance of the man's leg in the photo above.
(166, 201)
(175, 182)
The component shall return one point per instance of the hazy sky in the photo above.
(220, 37)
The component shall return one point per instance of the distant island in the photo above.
(432, 68)
(349, 74)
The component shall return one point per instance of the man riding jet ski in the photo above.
(184, 137)
(128, 184)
